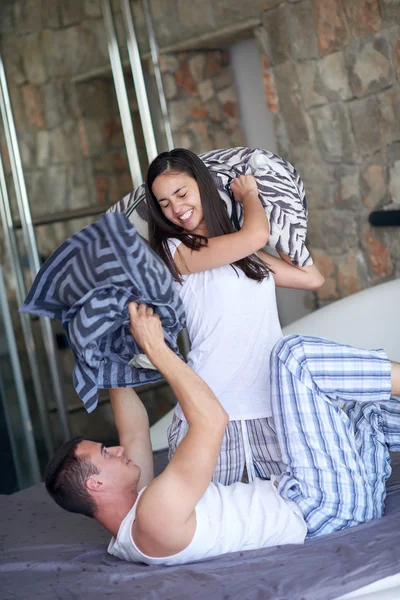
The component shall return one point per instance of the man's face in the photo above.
(117, 472)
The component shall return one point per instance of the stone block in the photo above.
(33, 59)
(28, 16)
(206, 90)
(11, 51)
(291, 108)
(75, 49)
(229, 105)
(184, 80)
(94, 98)
(61, 150)
(348, 187)
(271, 94)
(167, 25)
(183, 139)
(332, 32)
(214, 64)
(42, 148)
(7, 23)
(71, 11)
(394, 182)
(332, 230)
(262, 41)
(268, 4)
(51, 16)
(179, 111)
(235, 11)
(369, 66)
(55, 189)
(373, 183)
(325, 264)
(275, 22)
(334, 135)
(349, 280)
(195, 17)
(223, 80)
(92, 8)
(302, 31)
(363, 17)
(334, 78)
(54, 104)
(170, 87)
(201, 136)
(169, 63)
(282, 139)
(33, 106)
(389, 105)
(319, 177)
(197, 65)
(35, 185)
(391, 11)
(393, 36)
(365, 119)
(92, 141)
(214, 110)
(378, 253)
(27, 147)
(311, 88)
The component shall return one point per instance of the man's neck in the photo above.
(114, 512)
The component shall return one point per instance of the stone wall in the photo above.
(202, 101)
(331, 73)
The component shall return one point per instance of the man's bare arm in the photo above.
(165, 514)
(132, 424)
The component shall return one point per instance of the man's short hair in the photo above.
(65, 477)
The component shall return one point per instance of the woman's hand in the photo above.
(243, 185)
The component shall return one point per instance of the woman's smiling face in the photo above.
(178, 196)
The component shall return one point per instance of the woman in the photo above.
(227, 286)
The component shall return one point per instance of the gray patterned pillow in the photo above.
(281, 192)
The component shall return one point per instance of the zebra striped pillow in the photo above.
(281, 191)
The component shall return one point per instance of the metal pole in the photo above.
(20, 290)
(122, 96)
(30, 242)
(19, 384)
(138, 80)
(157, 72)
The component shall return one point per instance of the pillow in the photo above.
(87, 283)
(281, 192)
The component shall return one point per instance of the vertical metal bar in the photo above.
(30, 242)
(138, 79)
(20, 290)
(157, 72)
(19, 384)
(122, 96)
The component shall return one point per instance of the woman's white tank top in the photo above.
(230, 518)
(233, 324)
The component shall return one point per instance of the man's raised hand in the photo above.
(145, 326)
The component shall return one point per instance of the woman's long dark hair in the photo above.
(216, 216)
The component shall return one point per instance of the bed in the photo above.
(47, 553)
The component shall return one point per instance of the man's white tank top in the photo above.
(241, 516)
(233, 324)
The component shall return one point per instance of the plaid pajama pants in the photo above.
(249, 447)
(337, 459)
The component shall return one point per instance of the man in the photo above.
(337, 460)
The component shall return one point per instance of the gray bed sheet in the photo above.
(49, 554)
